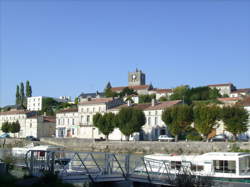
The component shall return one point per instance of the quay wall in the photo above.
(145, 147)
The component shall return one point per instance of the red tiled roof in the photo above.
(68, 110)
(148, 106)
(245, 102)
(164, 90)
(141, 106)
(139, 87)
(13, 112)
(163, 105)
(226, 84)
(242, 90)
(229, 99)
(96, 101)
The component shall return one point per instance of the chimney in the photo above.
(153, 102)
(129, 103)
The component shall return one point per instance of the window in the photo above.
(224, 166)
(99, 109)
(88, 119)
(93, 109)
(149, 120)
(176, 165)
(155, 120)
(73, 121)
(73, 131)
(244, 165)
(30, 125)
(87, 109)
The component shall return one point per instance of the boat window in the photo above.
(197, 167)
(244, 165)
(175, 165)
(224, 166)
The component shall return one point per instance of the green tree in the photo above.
(146, 98)
(181, 93)
(235, 119)
(163, 98)
(76, 101)
(22, 96)
(129, 121)
(6, 127)
(18, 97)
(28, 89)
(127, 91)
(108, 91)
(214, 93)
(49, 106)
(104, 123)
(178, 119)
(205, 117)
(15, 127)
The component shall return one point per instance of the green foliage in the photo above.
(146, 98)
(49, 106)
(6, 126)
(28, 89)
(104, 123)
(205, 117)
(127, 91)
(235, 119)
(22, 94)
(193, 135)
(76, 101)
(178, 119)
(225, 95)
(194, 94)
(108, 91)
(163, 98)
(18, 97)
(180, 93)
(130, 120)
(15, 127)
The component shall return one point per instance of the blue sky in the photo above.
(72, 46)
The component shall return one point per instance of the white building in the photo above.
(163, 93)
(67, 123)
(224, 89)
(31, 124)
(240, 92)
(86, 111)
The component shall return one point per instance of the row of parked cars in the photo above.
(217, 138)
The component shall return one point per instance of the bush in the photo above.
(194, 137)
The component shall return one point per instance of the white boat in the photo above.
(21, 151)
(228, 166)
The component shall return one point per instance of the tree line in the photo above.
(205, 117)
(21, 97)
(178, 119)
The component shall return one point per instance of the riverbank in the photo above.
(146, 147)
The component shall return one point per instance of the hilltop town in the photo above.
(61, 118)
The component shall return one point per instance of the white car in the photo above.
(165, 138)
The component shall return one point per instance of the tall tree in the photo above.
(235, 119)
(104, 123)
(6, 127)
(205, 117)
(18, 97)
(130, 120)
(15, 127)
(22, 96)
(178, 119)
(28, 89)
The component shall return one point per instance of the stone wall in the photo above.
(144, 147)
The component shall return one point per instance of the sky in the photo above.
(68, 47)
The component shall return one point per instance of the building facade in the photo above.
(30, 123)
(224, 89)
(67, 123)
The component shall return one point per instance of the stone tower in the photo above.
(136, 78)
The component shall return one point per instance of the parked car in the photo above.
(31, 138)
(168, 138)
(219, 138)
(5, 135)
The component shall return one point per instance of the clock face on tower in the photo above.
(134, 77)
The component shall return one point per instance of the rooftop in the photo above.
(97, 101)
(226, 84)
(139, 87)
(245, 102)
